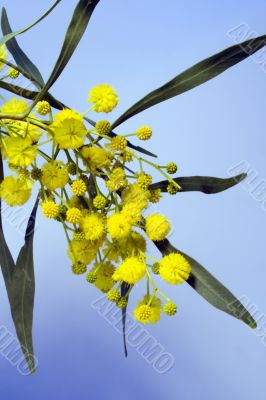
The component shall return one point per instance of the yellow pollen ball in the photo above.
(50, 209)
(144, 133)
(73, 215)
(157, 227)
(174, 268)
(118, 143)
(104, 98)
(43, 107)
(132, 270)
(118, 226)
(93, 226)
(54, 175)
(15, 192)
(79, 187)
(103, 127)
(142, 313)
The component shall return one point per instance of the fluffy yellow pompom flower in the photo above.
(15, 192)
(104, 98)
(118, 226)
(25, 130)
(132, 212)
(73, 215)
(83, 250)
(3, 55)
(117, 179)
(134, 243)
(70, 133)
(157, 227)
(15, 106)
(50, 209)
(66, 114)
(174, 268)
(104, 280)
(112, 250)
(54, 175)
(142, 313)
(79, 187)
(43, 107)
(96, 157)
(20, 151)
(144, 133)
(135, 194)
(132, 270)
(93, 226)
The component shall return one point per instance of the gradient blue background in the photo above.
(136, 46)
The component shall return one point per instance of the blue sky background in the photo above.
(137, 46)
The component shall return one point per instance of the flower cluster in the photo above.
(98, 188)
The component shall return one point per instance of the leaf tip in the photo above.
(241, 177)
(253, 325)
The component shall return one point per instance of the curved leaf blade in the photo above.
(123, 290)
(10, 36)
(207, 286)
(18, 54)
(195, 76)
(6, 260)
(75, 31)
(31, 95)
(204, 184)
(22, 291)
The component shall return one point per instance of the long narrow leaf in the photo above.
(75, 31)
(124, 289)
(195, 76)
(204, 184)
(10, 36)
(31, 95)
(18, 54)
(22, 292)
(210, 288)
(6, 260)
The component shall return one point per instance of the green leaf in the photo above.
(21, 292)
(210, 288)
(31, 95)
(195, 76)
(203, 184)
(10, 36)
(6, 259)
(123, 290)
(18, 54)
(75, 31)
